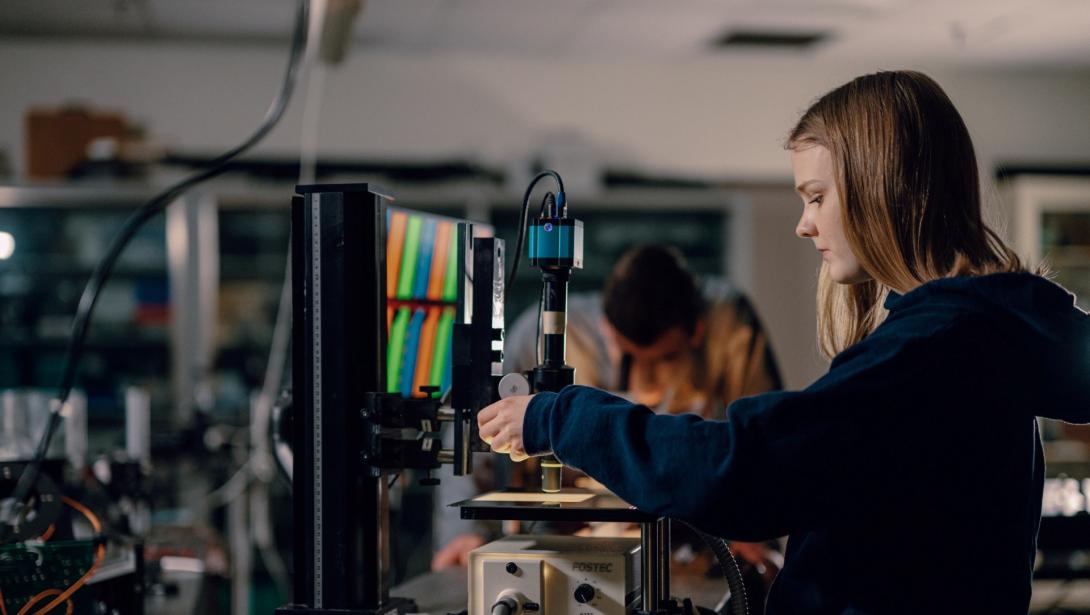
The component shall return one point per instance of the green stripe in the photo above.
(450, 285)
(395, 350)
(408, 261)
(442, 347)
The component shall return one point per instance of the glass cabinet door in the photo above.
(1051, 224)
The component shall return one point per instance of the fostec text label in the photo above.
(592, 567)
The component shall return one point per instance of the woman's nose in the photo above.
(805, 228)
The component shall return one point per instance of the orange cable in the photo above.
(30, 603)
(48, 533)
(49, 592)
(100, 554)
(95, 523)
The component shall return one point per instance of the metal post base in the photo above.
(655, 564)
(394, 606)
(673, 607)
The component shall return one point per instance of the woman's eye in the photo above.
(817, 199)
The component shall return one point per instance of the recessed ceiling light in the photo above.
(769, 39)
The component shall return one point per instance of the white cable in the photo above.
(308, 157)
(312, 96)
(260, 510)
(263, 538)
(311, 121)
(233, 488)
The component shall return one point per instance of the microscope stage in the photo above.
(565, 505)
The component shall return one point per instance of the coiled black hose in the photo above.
(736, 600)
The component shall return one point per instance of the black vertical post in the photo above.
(339, 338)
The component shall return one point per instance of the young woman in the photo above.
(909, 476)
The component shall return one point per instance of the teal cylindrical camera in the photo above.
(556, 242)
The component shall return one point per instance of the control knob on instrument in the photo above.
(584, 593)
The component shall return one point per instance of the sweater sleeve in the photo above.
(784, 462)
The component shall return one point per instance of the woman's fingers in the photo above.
(500, 426)
(506, 440)
(488, 413)
(490, 421)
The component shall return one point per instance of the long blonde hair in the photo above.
(909, 193)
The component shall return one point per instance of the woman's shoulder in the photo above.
(989, 293)
(993, 312)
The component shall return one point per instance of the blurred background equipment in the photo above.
(338, 20)
(57, 140)
(61, 552)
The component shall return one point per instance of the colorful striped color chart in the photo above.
(450, 281)
(441, 366)
(425, 357)
(395, 349)
(395, 245)
(421, 258)
(412, 351)
(409, 257)
(439, 260)
(421, 286)
(423, 266)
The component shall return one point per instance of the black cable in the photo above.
(549, 199)
(547, 203)
(537, 338)
(733, 574)
(524, 219)
(505, 606)
(145, 212)
(738, 603)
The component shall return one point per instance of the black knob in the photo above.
(584, 593)
(497, 335)
(512, 568)
(497, 356)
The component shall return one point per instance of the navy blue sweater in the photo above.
(908, 477)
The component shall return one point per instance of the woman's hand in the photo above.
(501, 426)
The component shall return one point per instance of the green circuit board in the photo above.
(27, 569)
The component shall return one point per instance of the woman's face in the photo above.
(815, 182)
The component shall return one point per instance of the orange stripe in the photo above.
(395, 243)
(427, 349)
(439, 257)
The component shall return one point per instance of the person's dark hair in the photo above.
(651, 291)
